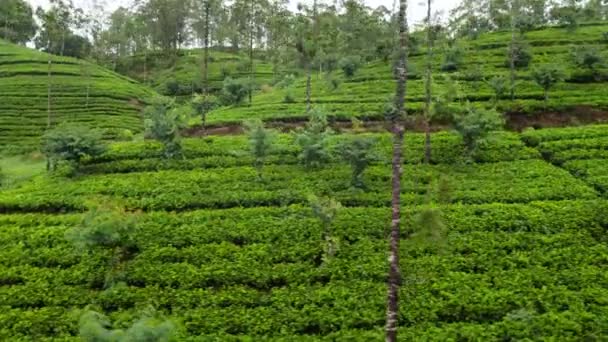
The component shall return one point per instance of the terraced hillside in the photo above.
(230, 257)
(114, 101)
(364, 95)
(184, 75)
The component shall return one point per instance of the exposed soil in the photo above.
(516, 121)
(573, 117)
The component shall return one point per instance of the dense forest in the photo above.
(253, 170)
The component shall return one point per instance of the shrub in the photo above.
(286, 81)
(349, 65)
(125, 135)
(520, 52)
(289, 96)
(71, 143)
(203, 104)
(163, 123)
(589, 58)
(95, 327)
(499, 86)
(171, 87)
(475, 124)
(546, 76)
(358, 152)
(260, 143)
(605, 36)
(313, 140)
(234, 91)
(452, 59)
(225, 71)
(326, 209)
(103, 227)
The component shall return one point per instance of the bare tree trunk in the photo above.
(394, 278)
(512, 52)
(428, 85)
(308, 85)
(48, 94)
(251, 71)
(145, 66)
(206, 51)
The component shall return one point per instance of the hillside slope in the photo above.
(114, 101)
(365, 94)
(182, 75)
(228, 257)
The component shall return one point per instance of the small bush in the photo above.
(475, 124)
(521, 54)
(234, 91)
(286, 81)
(71, 143)
(163, 123)
(359, 154)
(350, 65)
(260, 142)
(95, 327)
(289, 96)
(452, 60)
(203, 104)
(125, 135)
(589, 58)
(171, 87)
(313, 140)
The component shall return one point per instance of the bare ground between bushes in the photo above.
(515, 121)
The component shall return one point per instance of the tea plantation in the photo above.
(113, 103)
(365, 94)
(230, 257)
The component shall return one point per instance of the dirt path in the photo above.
(516, 121)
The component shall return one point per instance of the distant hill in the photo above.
(113, 104)
(364, 95)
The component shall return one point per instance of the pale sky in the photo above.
(417, 8)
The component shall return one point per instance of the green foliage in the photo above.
(358, 152)
(96, 327)
(349, 65)
(520, 52)
(452, 59)
(289, 96)
(203, 104)
(313, 140)
(475, 125)
(163, 123)
(589, 58)
(172, 87)
(234, 91)
(71, 143)
(17, 23)
(104, 226)
(499, 86)
(326, 209)
(260, 141)
(429, 230)
(546, 76)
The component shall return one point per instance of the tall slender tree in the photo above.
(428, 84)
(397, 115)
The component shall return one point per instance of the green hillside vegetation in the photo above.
(113, 103)
(182, 75)
(523, 252)
(365, 94)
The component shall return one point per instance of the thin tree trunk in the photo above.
(251, 71)
(512, 52)
(48, 94)
(206, 51)
(428, 85)
(145, 66)
(308, 85)
(394, 278)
